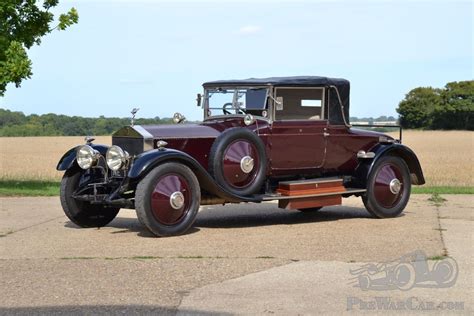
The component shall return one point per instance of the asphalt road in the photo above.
(238, 259)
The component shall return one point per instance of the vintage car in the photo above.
(285, 138)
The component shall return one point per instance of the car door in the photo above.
(298, 131)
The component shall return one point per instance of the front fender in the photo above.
(68, 160)
(365, 167)
(148, 160)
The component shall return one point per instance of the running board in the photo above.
(278, 196)
(311, 193)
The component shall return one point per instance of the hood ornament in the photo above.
(89, 139)
(132, 120)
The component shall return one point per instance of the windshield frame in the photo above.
(268, 100)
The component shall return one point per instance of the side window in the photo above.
(301, 104)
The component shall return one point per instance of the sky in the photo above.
(155, 55)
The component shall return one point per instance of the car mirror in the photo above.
(198, 99)
(279, 103)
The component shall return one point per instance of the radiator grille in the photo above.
(134, 146)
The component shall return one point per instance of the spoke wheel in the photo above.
(167, 199)
(170, 199)
(388, 187)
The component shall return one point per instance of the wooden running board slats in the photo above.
(309, 187)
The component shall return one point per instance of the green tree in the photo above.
(456, 110)
(22, 24)
(8, 117)
(416, 110)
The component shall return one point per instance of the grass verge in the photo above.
(441, 190)
(51, 188)
(28, 188)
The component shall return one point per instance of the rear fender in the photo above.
(68, 160)
(148, 160)
(366, 165)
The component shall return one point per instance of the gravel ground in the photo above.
(49, 265)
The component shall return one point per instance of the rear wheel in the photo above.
(388, 188)
(83, 213)
(167, 200)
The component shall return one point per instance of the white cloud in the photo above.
(249, 29)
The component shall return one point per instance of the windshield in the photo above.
(220, 101)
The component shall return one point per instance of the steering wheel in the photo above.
(225, 107)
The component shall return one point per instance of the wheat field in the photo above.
(35, 158)
(446, 156)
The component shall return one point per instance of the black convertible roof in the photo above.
(282, 81)
(338, 98)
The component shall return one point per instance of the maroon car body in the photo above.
(285, 139)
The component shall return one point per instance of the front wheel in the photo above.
(83, 213)
(167, 200)
(388, 188)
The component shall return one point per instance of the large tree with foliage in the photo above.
(456, 110)
(416, 110)
(22, 24)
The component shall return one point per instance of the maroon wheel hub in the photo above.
(170, 199)
(240, 163)
(388, 186)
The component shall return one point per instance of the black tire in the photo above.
(310, 210)
(372, 200)
(82, 213)
(149, 215)
(140, 221)
(216, 160)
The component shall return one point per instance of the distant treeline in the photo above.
(19, 124)
(370, 120)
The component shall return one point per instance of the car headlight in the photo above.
(116, 157)
(86, 157)
(249, 119)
